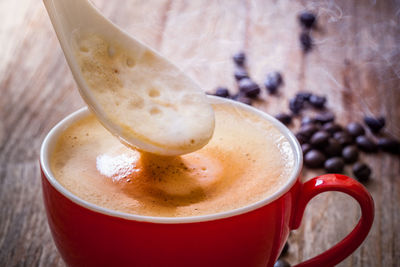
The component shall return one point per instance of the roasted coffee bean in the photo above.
(273, 81)
(281, 263)
(319, 139)
(307, 120)
(334, 165)
(222, 92)
(284, 118)
(307, 19)
(375, 124)
(242, 98)
(355, 129)
(308, 129)
(350, 154)
(302, 138)
(285, 249)
(239, 58)
(325, 117)
(240, 73)
(334, 148)
(389, 145)
(306, 41)
(318, 101)
(305, 96)
(343, 137)
(332, 127)
(305, 148)
(249, 88)
(314, 159)
(366, 144)
(361, 171)
(296, 105)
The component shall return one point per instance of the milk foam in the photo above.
(246, 160)
(148, 99)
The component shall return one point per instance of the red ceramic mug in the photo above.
(254, 235)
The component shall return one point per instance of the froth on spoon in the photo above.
(138, 95)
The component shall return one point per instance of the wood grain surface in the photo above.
(355, 63)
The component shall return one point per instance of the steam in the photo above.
(361, 32)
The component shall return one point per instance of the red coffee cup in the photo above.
(254, 235)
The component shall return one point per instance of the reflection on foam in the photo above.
(117, 167)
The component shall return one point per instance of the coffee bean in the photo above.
(308, 130)
(375, 124)
(285, 249)
(249, 88)
(314, 159)
(305, 148)
(325, 117)
(281, 263)
(331, 127)
(318, 101)
(366, 144)
(307, 120)
(343, 137)
(302, 138)
(284, 118)
(307, 19)
(319, 139)
(306, 41)
(222, 92)
(296, 105)
(350, 154)
(389, 145)
(334, 165)
(242, 98)
(334, 148)
(361, 171)
(240, 73)
(273, 81)
(305, 96)
(239, 58)
(355, 129)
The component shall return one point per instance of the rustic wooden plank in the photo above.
(350, 49)
(347, 67)
(37, 91)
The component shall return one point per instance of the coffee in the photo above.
(246, 160)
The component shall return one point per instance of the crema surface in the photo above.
(246, 160)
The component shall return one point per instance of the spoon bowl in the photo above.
(139, 96)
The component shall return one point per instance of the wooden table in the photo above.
(355, 63)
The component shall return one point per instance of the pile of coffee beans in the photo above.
(248, 89)
(325, 143)
(330, 145)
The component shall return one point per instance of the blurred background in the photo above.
(354, 62)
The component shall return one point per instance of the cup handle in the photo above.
(341, 183)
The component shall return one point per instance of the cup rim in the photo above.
(52, 135)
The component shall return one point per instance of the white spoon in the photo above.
(135, 93)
